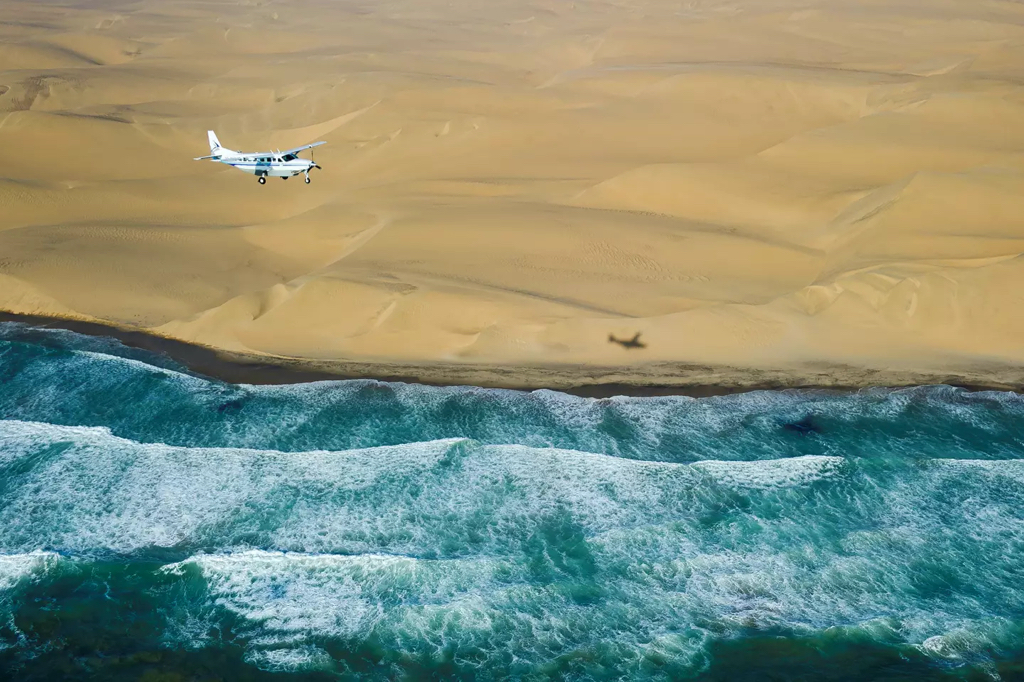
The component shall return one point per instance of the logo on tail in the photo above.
(214, 142)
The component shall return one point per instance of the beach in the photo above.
(773, 194)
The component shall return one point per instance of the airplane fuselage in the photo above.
(268, 166)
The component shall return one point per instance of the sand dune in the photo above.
(778, 186)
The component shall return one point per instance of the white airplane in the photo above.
(263, 164)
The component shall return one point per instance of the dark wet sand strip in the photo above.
(582, 380)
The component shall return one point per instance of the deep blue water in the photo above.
(153, 522)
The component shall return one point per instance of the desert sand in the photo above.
(800, 191)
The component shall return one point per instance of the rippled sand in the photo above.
(808, 188)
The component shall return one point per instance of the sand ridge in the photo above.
(777, 186)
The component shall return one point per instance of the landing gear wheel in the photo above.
(263, 179)
(307, 179)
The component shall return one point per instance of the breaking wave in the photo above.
(154, 517)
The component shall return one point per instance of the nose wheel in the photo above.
(263, 179)
(307, 179)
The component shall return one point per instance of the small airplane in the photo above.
(263, 164)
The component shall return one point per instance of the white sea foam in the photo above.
(334, 414)
(89, 490)
(551, 549)
(294, 597)
(130, 366)
(296, 659)
(773, 473)
(972, 641)
(15, 568)
(491, 607)
(15, 571)
(97, 491)
(1012, 469)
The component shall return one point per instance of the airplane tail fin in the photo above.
(214, 142)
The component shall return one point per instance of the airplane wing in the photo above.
(299, 149)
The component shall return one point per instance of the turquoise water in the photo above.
(153, 522)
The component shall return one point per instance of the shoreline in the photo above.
(662, 379)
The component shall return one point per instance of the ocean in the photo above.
(159, 525)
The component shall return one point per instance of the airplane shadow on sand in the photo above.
(628, 344)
